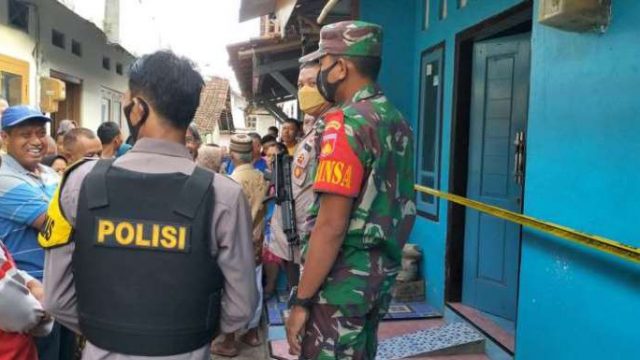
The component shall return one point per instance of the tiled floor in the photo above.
(388, 329)
(487, 324)
(453, 357)
(457, 336)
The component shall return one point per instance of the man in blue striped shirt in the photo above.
(26, 187)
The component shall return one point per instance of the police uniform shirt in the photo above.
(303, 173)
(230, 240)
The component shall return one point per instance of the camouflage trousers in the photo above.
(330, 334)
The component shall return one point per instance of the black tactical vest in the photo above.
(145, 278)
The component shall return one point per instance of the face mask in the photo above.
(326, 89)
(133, 130)
(310, 99)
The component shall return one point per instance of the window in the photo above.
(427, 5)
(116, 112)
(19, 15)
(57, 39)
(111, 106)
(251, 122)
(119, 68)
(14, 80)
(76, 48)
(105, 110)
(429, 129)
(442, 13)
(106, 63)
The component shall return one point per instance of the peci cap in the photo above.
(241, 144)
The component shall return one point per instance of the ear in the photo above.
(343, 66)
(137, 111)
(4, 135)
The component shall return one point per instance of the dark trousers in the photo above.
(59, 345)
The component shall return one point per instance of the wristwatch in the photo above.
(294, 300)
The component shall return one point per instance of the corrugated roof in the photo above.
(215, 105)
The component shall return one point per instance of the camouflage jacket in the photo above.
(366, 152)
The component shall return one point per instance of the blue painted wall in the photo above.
(405, 41)
(583, 171)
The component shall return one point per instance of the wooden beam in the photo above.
(244, 54)
(276, 66)
(274, 110)
(284, 82)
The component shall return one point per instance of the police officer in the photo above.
(305, 157)
(138, 250)
(365, 203)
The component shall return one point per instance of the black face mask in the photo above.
(327, 89)
(133, 130)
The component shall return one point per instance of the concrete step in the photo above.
(450, 339)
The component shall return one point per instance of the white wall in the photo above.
(88, 67)
(139, 31)
(263, 122)
(19, 45)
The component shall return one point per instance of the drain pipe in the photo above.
(326, 10)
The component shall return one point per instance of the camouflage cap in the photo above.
(350, 38)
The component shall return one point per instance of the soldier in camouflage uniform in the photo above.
(365, 203)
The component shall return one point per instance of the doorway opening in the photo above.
(70, 108)
(491, 90)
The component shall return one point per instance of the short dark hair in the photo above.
(254, 136)
(274, 129)
(108, 131)
(169, 83)
(195, 133)
(267, 139)
(309, 64)
(367, 66)
(292, 121)
(50, 159)
(71, 137)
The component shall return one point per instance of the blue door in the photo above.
(500, 91)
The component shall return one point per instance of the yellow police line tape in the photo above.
(596, 242)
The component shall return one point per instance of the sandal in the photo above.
(253, 341)
(217, 349)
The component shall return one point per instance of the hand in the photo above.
(298, 318)
(36, 289)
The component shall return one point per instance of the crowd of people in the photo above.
(155, 245)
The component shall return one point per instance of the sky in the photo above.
(198, 29)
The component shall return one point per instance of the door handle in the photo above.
(518, 159)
